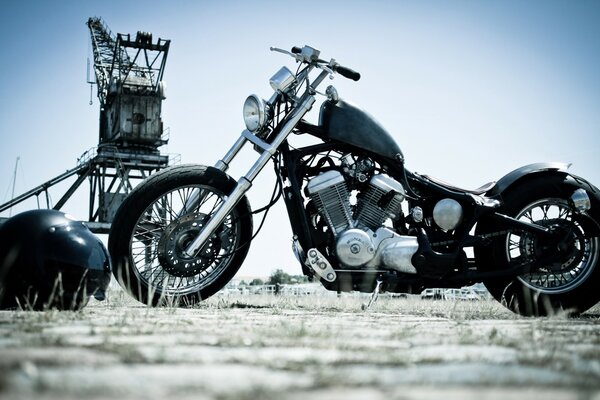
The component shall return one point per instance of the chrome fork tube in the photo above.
(245, 182)
(223, 164)
(199, 195)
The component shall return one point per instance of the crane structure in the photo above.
(130, 86)
(128, 75)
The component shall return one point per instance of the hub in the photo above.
(175, 239)
(558, 252)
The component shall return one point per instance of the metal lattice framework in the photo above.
(130, 89)
(104, 47)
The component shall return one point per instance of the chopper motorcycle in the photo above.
(361, 220)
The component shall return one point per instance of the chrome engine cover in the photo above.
(355, 247)
(398, 254)
(382, 249)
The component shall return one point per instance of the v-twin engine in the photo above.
(361, 239)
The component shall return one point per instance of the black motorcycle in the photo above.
(361, 220)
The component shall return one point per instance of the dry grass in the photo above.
(285, 347)
(355, 303)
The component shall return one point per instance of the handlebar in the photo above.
(347, 72)
(311, 55)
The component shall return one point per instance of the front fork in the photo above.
(245, 182)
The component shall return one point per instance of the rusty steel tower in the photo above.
(129, 78)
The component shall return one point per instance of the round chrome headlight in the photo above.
(255, 113)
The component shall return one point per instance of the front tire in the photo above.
(159, 219)
(566, 275)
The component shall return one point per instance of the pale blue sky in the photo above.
(470, 89)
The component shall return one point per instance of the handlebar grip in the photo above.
(348, 73)
(296, 50)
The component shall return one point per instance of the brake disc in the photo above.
(175, 239)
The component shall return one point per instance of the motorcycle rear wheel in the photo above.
(159, 219)
(566, 275)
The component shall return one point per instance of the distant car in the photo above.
(465, 293)
(452, 294)
(432, 294)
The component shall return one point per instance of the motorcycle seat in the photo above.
(478, 192)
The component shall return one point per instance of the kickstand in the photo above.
(374, 296)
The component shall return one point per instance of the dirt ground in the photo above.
(262, 347)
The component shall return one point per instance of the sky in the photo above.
(470, 89)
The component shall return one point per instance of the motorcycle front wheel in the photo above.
(156, 222)
(564, 275)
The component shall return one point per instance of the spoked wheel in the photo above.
(563, 266)
(156, 223)
(566, 260)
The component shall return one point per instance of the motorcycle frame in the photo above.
(295, 202)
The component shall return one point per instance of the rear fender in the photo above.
(526, 171)
(521, 175)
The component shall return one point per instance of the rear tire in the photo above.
(157, 221)
(567, 275)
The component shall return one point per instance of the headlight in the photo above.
(255, 113)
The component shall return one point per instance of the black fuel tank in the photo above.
(347, 123)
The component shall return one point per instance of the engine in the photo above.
(382, 200)
(330, 194)
(360, 236)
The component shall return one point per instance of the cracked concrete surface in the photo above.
(260, 347)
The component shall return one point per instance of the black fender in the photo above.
(525, 171)
(531, 170)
